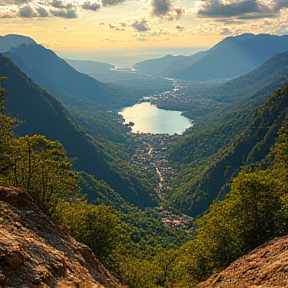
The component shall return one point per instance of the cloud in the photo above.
(91, 6)
(13, 2)
(50, 8)
(242, 9)
(179, 28)
(280, 4)
(110, 2)
(225, 31)
(164, 9)
(140, 26)
(57, 4)
(65, 13)
(55, 8)
(42, 12)
(160, 7)
(142, 39)
(179, 12)
(27, 12)
(20, 2)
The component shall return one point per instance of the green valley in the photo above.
(158, 210)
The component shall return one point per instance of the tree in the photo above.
(165, 261)
(246, 218)
(41, 168)
(6, 134)
(96, 226)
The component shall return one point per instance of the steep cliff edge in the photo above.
(265, 266)
(34, 252)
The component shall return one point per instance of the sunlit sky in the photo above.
(110, 29)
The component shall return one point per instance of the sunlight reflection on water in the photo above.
(150, 119)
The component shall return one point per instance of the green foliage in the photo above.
(201, 181)
(247, 217)
(41, 168)
(253, 212)
(6, 133)
(138, 273)
(133, 243)
(43, 114)
(96, 226)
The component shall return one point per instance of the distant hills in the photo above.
(230, 58)
(167, 64)
(273, 69)
(12, 40)
(89, 67)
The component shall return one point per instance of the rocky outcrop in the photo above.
(35, 253)
(265, 266)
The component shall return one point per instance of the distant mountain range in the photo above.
(275, 68)
(12, 40)
(89, 67)
(230, 58)
(167, 64)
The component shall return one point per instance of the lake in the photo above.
(148, 118)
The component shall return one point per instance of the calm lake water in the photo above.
(150, 119)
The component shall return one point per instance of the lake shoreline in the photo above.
(147, 117)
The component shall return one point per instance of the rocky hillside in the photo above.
(265, 266)
(34, 252)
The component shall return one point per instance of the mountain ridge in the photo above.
(230, 58)
(67, 84)
(234, 56)
(13, 40)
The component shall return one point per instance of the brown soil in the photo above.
(265, 266)
(35, 253)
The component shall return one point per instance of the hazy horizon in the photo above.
(123, 57)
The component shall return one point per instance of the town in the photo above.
(150, 156)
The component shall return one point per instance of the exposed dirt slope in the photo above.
(265, 266)
(34, 252)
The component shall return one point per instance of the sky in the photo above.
(134, 30)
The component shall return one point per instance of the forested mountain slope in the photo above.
(243, 93)
(248, 84)
(193, 191)
(68, 85)
(41, 113)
